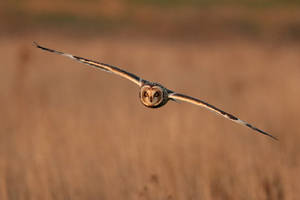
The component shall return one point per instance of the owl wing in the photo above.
(105, 67)
(182, 97)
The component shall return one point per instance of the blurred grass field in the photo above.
(72, 132)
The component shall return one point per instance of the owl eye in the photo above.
(145, 94)
(156, 94)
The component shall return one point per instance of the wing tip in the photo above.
(260, 131)
(34, 43)
(50, 50)
(273, 137)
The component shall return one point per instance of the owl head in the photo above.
(151, 95)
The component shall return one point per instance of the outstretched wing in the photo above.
(105, 67)
(182, 97)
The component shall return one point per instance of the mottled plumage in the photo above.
(154, 95)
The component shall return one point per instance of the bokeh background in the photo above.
(68, 131)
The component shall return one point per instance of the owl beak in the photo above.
(151, 98)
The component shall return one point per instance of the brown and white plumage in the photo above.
(99, 65)
(154, 95)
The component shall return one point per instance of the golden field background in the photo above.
(72, 132)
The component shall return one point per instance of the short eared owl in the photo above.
(154, 95)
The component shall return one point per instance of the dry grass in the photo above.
(71, 132)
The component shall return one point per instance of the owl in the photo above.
(153, 94)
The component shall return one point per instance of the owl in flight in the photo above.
(152, 94)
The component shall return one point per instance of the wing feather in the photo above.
(105, 67)
(192, 100)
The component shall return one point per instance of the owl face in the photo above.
(151, 96)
